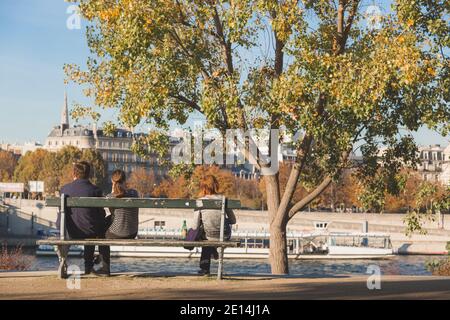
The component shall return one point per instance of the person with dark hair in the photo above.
(84, 223)
(209, 221)
(123, 223)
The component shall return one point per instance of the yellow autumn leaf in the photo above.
(431, 71)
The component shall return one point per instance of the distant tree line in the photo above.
(54, 168)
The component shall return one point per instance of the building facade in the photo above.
(21, 149)
(115, 149)
(435, 163)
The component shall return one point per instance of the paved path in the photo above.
(141, 286)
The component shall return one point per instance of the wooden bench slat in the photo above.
(83, 202)
(140, 242)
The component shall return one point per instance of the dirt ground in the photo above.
(141, 286)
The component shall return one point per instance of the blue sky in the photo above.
(34, 45)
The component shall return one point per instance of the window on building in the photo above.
(434, 156)
(159, 224)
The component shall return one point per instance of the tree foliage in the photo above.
(8, 163)
(143, 181)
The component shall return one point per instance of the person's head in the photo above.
(81, 170)
(208, 185)
(118, 179)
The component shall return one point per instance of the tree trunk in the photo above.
(278, 242)
(278, 249)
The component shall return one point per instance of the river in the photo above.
(397, 265)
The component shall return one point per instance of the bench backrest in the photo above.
(81, 202)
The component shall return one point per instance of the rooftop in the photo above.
(80, 131)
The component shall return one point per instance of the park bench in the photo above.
(63, 243)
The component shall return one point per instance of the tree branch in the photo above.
(296, 170)
(178, 40)
(317, 191)
(309, 198)
(351, 16)
(350, 19)
(187, 101)
(226, 45)
(338, 46)
(279, 56)
(344, 27)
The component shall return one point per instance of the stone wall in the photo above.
(434, 241)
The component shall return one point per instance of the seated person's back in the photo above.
(123, 223)
(211, 219)
(83, 222)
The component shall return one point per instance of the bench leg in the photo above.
(220, 267)
(62, 251)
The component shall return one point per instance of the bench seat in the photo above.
(138, 242)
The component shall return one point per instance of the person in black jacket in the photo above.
(84, 223)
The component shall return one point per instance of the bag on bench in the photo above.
(193, 235)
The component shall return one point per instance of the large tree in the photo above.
(314, 67)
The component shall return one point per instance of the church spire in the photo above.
(65, 114)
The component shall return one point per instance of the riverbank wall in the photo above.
(21, 221)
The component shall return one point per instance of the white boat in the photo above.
(319, 244)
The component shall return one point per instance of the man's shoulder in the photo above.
(82, 185)
(95, 189)
(67, 187)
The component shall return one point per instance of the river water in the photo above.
(397, 265)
